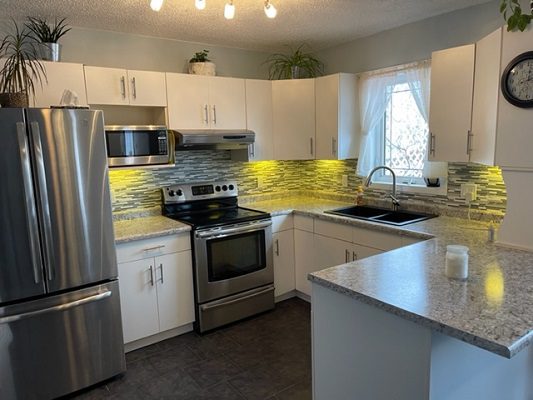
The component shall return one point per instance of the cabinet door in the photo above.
(259, 118)
(188, 101)
(359, 252)
(174, 290)
(147, 88)
(452, 82)
(283, 262)
(331, 252)
(138, 299)
(304, 257)
(106, 85)
(227, 101)
(294, 119)
(60, 76)
(485, 103)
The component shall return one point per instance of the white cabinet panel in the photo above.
(336, 117)
(282, 223)
(304, 223)
(376, 239)
(188, 101)
(106, 85)
(359, 252)
(227, 100)
(305, 260)
(331, 252)
(450, 117)
(294, 119)
(334, 230)
(138, 299)
(138, 249)
(283, 243)
(60, 76)
(147, 88)
(259, 118)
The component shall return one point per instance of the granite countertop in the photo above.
(146, 227)
(492, 309)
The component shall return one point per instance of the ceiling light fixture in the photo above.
(200, 4)
(270, 10)
(229, 10)
(156, 4)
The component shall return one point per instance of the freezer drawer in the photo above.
(60, 344)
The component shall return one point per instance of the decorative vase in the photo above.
(295, 72)
(14, 100)
(202, 68)
(51, 51)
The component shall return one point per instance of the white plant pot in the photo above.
(202, 68)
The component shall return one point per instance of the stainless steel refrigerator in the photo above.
(60, 324)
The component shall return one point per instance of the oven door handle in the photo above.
(210, 234)
(236, 299)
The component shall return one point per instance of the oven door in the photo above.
(232, 259)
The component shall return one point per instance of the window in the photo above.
(394, 114)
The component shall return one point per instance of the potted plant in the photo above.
(48, 35)
(294, 65)
(513, 15)
(201, 65)
(22, 67)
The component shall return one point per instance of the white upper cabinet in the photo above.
(60, 76)
(294, 119)
(450, 117)
(201, 102)
(115, 86)
(336, 117)
(485, 104)
(259, 118)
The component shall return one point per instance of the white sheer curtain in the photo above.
(374, 95)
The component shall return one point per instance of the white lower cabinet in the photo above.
(304, 259)
(283, 243)
(156, 291)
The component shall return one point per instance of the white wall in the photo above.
(414, 41)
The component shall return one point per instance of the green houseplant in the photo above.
(200, 64)
(513, 15)
(294, 65)
(48, 35)
(22, 67)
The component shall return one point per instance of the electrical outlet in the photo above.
(469, 191)
(344, 181)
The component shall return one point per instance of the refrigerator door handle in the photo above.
(43, 198)
(31, 212)
(60, 307)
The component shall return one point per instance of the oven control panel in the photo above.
(199, 191)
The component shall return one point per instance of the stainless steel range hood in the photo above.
(213, 139)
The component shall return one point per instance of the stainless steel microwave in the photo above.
(136, 145)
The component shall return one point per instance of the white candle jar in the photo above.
(456, 261)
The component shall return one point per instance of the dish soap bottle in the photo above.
(359, 196)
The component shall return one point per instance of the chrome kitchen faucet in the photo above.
(368, 181)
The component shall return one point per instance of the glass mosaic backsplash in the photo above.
(140, 188)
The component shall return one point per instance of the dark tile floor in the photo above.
(265, 357)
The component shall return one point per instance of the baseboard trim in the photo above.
(147, 341)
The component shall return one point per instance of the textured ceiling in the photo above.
(319, 23)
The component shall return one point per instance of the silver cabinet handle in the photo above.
(60, 307)
(277, 247)
(161, 269)
(347, 255)
(206, 115)
(152, 282)
(31, 212)
(123, 87)
(252, 150)
(432, 140)
(469, 136)
(43, 198)
(354, 256)
(215, 114)
(333, 146)
(134, 88)
(311, 146)
(154, 248)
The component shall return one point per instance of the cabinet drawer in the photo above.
(376, 239)
(282, 223)
(303, 223)
(153, 247)
(333, 230)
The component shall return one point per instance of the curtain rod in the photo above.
(394, 68)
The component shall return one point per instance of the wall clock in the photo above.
(517, 81)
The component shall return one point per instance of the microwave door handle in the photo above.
(31, 212)
(43, 198)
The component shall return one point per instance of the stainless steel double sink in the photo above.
(382, 215)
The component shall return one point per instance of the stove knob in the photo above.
(179, 192)
(217, 188)
(224, 187)
(231, 187)
(171, 193)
